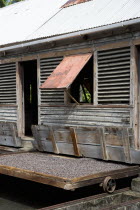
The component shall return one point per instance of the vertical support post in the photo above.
(19, 92)
(74, 141)
(52, 136)
(134, 95)
(95, 79)
(102, 142)
(126, 144)
(38, 90)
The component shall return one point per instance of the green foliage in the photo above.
(88, 96)
(4, 3)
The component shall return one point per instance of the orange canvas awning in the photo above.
(66, 72)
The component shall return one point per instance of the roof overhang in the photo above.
(72, 35)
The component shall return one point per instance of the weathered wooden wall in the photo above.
(107, 143)
(84, 116)
(113, 60)
(8, 113)
(8, 106)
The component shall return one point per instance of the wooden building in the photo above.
(72, 74)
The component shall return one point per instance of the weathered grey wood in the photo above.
(134, 94)
(113, 136)
(47, 146)
(74, 141)
(91, 151)
(95, 86)
(19, 87)
(52, 136)
(46, 68)
(86, 116)
(38, 89)
(62, 134)
(16, 140)
(108, 143)
(65, 148)
(103, 143)
(37, 142)
(126, 145)
(7, 141)
(8, 135)
(88, 135)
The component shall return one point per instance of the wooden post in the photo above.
(102, 142)
(134, 95)
(95, 80)
(126, 144)
(52, 136)
(19, 90)
(38, 90)
(74, 141)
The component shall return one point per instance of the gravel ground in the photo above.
(58, 165)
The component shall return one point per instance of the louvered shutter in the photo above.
(47, 66)
(114, 76)
(8, 83)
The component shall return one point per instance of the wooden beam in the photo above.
(19, 88)
(126, 145)
(95, 80)
(52, 137)
(71, 97)
(134, 94)
(74, 141)
(102, 142)
(38, 89)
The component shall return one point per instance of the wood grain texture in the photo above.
(107, 143)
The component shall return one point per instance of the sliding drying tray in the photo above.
(67, 173)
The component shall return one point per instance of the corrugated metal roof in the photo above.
(20, 20)
(88, 15)
(32, 19)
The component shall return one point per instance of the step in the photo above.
(135, 184)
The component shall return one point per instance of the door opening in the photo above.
(30, 98)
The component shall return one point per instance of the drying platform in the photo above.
(64, 172)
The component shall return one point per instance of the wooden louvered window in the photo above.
(114, 76)
(47, 66)
(8, 83)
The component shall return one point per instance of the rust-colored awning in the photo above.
(66, 72)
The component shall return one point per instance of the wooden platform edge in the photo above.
(65, 183)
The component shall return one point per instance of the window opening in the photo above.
(82, 87)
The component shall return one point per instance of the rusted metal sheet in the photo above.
(73, 2)
(66, 72)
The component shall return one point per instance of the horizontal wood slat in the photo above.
(8, 83)
(84, 141)
(47, 66)
(85, 116)
(114, 76)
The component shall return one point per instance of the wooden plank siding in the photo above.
(107, 143)
(84, 116)
(8, 114)
(102, 130)
(8, 105)
(47, 66)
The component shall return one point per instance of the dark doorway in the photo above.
(30, 95)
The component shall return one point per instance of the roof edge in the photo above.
(73, 34)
